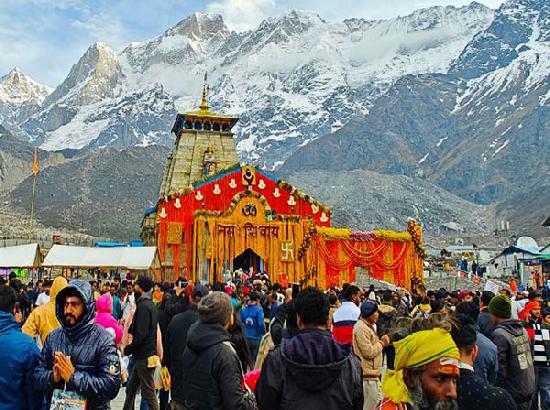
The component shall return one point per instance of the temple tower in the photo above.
(204, 146)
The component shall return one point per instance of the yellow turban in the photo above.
(415, 351)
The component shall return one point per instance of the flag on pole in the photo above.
(35, 162)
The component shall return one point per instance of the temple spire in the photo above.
(205, 89)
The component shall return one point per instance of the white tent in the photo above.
(139, 258)
(22, 256)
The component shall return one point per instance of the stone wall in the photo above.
(187, 158)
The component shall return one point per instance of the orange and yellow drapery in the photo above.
(395, 257)
(218, 240)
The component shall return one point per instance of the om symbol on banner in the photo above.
(250, 210)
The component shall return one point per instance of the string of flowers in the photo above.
(412, 226)
(307, 239)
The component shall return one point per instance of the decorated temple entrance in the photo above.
(248, 259)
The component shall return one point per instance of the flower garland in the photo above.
(412, 228)
(307, 239)
(334, 233)
(361, 236)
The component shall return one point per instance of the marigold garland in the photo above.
(360, 236)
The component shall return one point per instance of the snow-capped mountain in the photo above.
(480, 131)
(291, 79)
(20, 95)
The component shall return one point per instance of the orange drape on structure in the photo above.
(396, 262)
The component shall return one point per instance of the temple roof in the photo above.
(203, 114)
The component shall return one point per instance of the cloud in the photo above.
(241, 15)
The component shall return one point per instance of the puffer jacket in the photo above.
(311, 371)
(105, 319)
(211, 376)
(19, 354)
(91, 348)
(367, 346)
(43, 319)
(516, 373)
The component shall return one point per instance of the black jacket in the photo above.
(310, 371)
(516, 373)
(284, 324)
(485, 324)
(92, 349)
(212, 377)
(176, 340)
(143, 329)
(474, 393)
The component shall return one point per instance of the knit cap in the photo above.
(500, 306)
(216, 307)
(368, 308)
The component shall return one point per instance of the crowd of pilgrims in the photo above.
(249, 343)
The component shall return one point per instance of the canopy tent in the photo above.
(22, 256)
(142, 258)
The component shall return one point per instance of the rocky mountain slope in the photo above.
(101, 194)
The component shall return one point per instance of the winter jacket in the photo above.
(19, 354)
(474, 393)
(516, 373)
(486, 362)
(367, 346)
(176, 342)
(143, 329)
(116, 306)
(252, 317)
(212, 377)
(104, 317)
(284, 324)
(91, 348)
(386, 319)
(310, 371)
(485, 323)
(43, 319)
(343, 320)
(539, 335)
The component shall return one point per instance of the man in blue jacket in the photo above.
(19, 354)
(80, 356)
(252, 317)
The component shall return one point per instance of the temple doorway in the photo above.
(248, 259)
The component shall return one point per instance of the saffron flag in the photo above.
(35, 162)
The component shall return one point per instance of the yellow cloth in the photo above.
(43, 320)
(415, 351)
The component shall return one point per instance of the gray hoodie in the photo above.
(516, 373)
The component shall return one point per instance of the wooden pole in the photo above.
(32, 206)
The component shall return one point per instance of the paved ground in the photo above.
(117, 403)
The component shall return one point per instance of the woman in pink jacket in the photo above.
(105, 319)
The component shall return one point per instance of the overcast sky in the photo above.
(46, 37)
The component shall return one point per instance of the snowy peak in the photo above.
(518, 26)
(95, 76)
(200, 26)
(18, 88)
